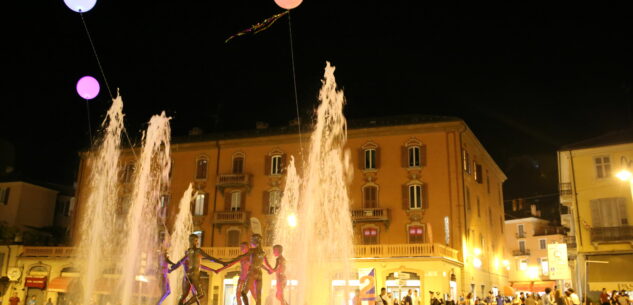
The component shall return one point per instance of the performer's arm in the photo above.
(211, 258)
(176, 265)
(168, 261)
(237, 259)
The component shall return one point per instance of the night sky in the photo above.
(527, 77)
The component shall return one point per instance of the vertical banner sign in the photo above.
(557, 260)
(367, 285)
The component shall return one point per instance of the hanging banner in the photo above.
(557, 261)
(367, 285)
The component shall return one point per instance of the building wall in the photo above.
(29, 205)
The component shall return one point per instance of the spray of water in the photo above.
(139, 259)
(179, 242)
(319, 249)
(99, 213)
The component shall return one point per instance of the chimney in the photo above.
(533, 210)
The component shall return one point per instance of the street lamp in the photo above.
(587, 262)
(625, 173)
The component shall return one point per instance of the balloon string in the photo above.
(89, 124)
(105, 80)
(294, 82)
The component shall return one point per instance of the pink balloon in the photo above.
(288, 4)
(88, 87)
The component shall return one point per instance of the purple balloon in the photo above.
(88, 87)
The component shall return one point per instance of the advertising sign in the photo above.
(557, 261)
(367, 283)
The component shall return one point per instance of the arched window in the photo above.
(275, 162)
(200, 204)
(236, 201)
(415, 196)
(370, 197)
(413, 154)
(201, 168)
(238, 163)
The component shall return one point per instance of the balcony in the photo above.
(543, 231)
(364, 251)
(566, 193)
(520, 235)
(612, 234)
(370, 215)
(571, 242)
(524, 252)
(231, 218)
(233, 180)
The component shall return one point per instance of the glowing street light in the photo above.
(292, 220)
(624, 175)
(477, 262)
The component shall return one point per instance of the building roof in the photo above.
(63, 189)
(621, 136)
(307, 127)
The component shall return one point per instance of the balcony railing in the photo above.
(230, 217)
(524, 252)
(364, 251)
(571, 242)
(360, 251)
(612, 234)
(520, 235)
(48, 251)
(370, 215)
(233, 180)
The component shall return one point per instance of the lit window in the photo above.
(523, 264)
(543, 243)
(238, 165)
(370, 158)
(370, 236)
(236, 201)
(199, 204)
(416, 234)
(275, 165)
(274, 201)
(414, 156)
(447, 230)
(478, 173)
(544, 266)
(201, 169)
(603, 167)
(415, 196)
(466, 161)
(370, 195)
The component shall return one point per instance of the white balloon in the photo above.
(288, 4)
(80, 6)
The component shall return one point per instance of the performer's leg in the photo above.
(185, 290)
(258, 290)
(238, 291)
(198, 293)
(166, 290)
(244, 291)
(281, 285)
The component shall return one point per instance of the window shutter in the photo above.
(596, 215)
(425, 196)
(361, 158)
(423, 155)
(377, 158)
(404, 153)
(265, 202)
(267, 165)
(206, 205)
(405, 197)
(283, 163)
(227, 201)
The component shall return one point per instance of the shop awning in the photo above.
(35, 282)
(522, 286)
(540, 286)
(60, 284)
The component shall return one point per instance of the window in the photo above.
(478, 173)
(236, 201)
(447, 230)
(414, 156)
(238, 164)
(488, 182)
(275, 165)
(201, 169)
(4, 195)
(416, 234)
(370, 158)
(523, 264)
(233, 238)
(370, 197)
(370, 236)
(609, 212)
(544, 266)
(478, 208)
(603, 166)
(467, 199)
(128, 173)
(415, 196)
(542, 243)
(274, 201)
(199, 205)
(522, 246)
(520, 231)
(466, 161)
